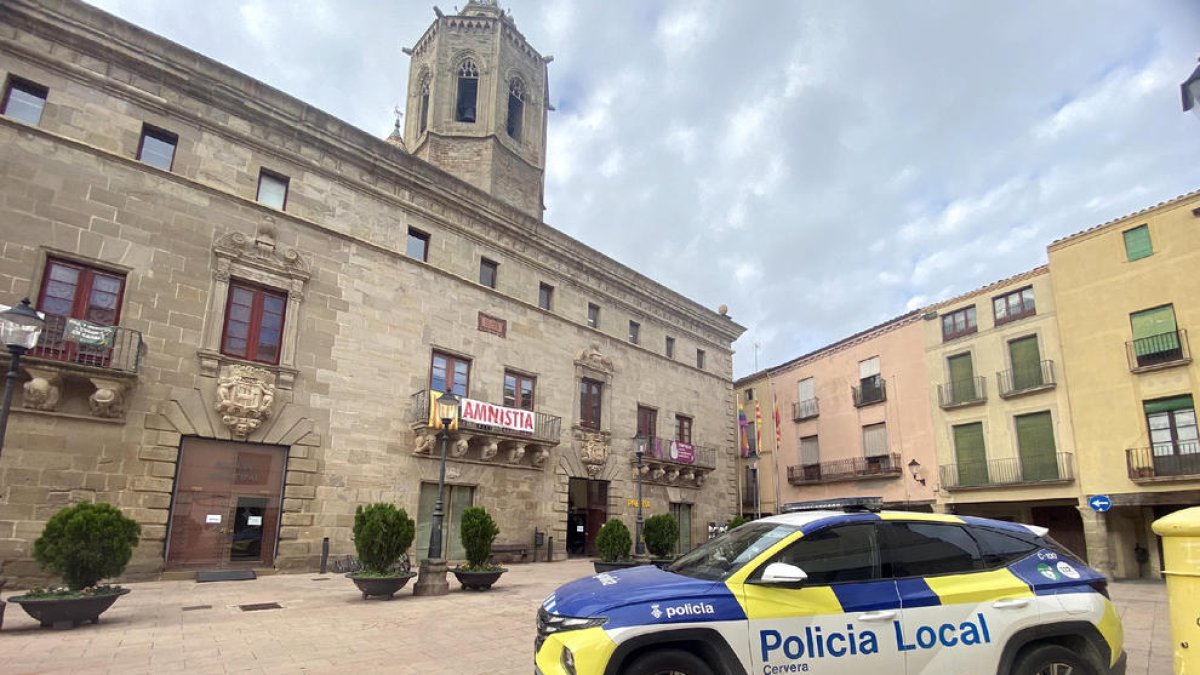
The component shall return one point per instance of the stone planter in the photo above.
(380, 586)
(62, 613)
(602, 566)
(477, 581)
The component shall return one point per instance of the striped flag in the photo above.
(743, 437)
(778, 426)
(757, 426)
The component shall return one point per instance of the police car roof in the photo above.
(801, 518)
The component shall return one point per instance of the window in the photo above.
(518, 390)
(1156, 336)
(516, 109)
(593, 317)
(272, 189)
(1137, 243)
(970, 454)
(24, 101)
(833, 556)
(810, 457)
(870, 383)
(72, 292)
(806, 400)
(488, 270)
(927, 549)
(1174, 443)
(589, 403)
(875, 440)
(958, 323)
(1001, 548)
(683, 429)
(1035, 446)
(670, 347)
(157, 147)
(468, 90)
(418, 245)
(635, 330)
(253, 322)
(749, 394)
(423, 112)
(961, 387)
(1012, 306)
(647, 421)
(450, 373)
(546, 296)
(1026, 359)
(700, 358)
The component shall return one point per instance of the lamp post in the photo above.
(20, 328)
(914, 468)
(639, 451)
(431, 576)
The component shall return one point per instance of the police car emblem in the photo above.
(655, 611)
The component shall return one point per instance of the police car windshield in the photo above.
(720, 557)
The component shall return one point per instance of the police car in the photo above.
(842, 592)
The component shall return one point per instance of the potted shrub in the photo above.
(477, 533)
(737, 521)
(382, 534)
(613, 543)
(661, 533)
(83, 544)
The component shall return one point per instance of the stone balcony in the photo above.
(511, 437)
(669, 462)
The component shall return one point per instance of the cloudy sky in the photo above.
(819, 167)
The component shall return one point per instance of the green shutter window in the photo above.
(1155, 331)
(962, 378)
(1137, 243)
(1035, 444)
(1168, 404)
(970, 454)
(1026, 363)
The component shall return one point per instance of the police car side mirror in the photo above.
(782, 574)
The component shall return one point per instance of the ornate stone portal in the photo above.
(244, 398)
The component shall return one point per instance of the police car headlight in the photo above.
(568, 661)
(549, 624)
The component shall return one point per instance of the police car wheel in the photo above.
(1051, 660)
(668, 662)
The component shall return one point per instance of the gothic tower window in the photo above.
(516, 108)
(468, 91)
(423, 117)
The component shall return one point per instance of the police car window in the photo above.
(720, 557)
(1001, 548)
(832, 556)
(927, 549)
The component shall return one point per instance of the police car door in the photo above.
(957, 611)
(835, 621)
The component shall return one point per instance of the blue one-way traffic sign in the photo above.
(1100, 503)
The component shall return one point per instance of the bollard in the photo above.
(549, 549)
(1180, 532)
(324, 555)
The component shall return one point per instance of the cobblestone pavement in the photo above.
(325, 626)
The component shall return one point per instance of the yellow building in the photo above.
(1001, 413)
(1127, 292)
(758, 482)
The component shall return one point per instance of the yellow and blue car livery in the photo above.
(987, 614)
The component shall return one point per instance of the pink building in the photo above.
(855, 421)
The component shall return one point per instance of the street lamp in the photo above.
(639, 451)
(1189, 89)
(914, 467)
(20, 328)
(431, 577)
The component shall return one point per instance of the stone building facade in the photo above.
(248, 302)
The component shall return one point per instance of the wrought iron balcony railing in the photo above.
(1031, 468)
(962, 392)
(853, 468)
(1164, 460)
(1026, 379)
(672, 452)
(84, 343)
(1157, 351)
(546, 428)
(806, 409)
(870, 391)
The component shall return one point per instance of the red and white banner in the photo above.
(479, 412)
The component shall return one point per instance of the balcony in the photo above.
(806, 409)
(1009, 471)
(962, 393)
(1021, 381)
(1158, 351)
(511, 436)
(671, 462)
(74, 341)
(854, 468)
(869, 392)
(1166, 461)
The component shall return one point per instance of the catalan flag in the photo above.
(743, 433)
(757, 426)
(778, 426)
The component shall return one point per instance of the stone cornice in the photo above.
(130, 62)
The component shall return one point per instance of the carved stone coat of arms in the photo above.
(244, 398)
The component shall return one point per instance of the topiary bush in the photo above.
(661, 532)
(738, 521)
(85, 543)
(382, 533)
(613, 541)
(477, 533)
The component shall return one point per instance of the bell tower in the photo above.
(477, 104)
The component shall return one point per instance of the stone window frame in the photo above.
(257, 261)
